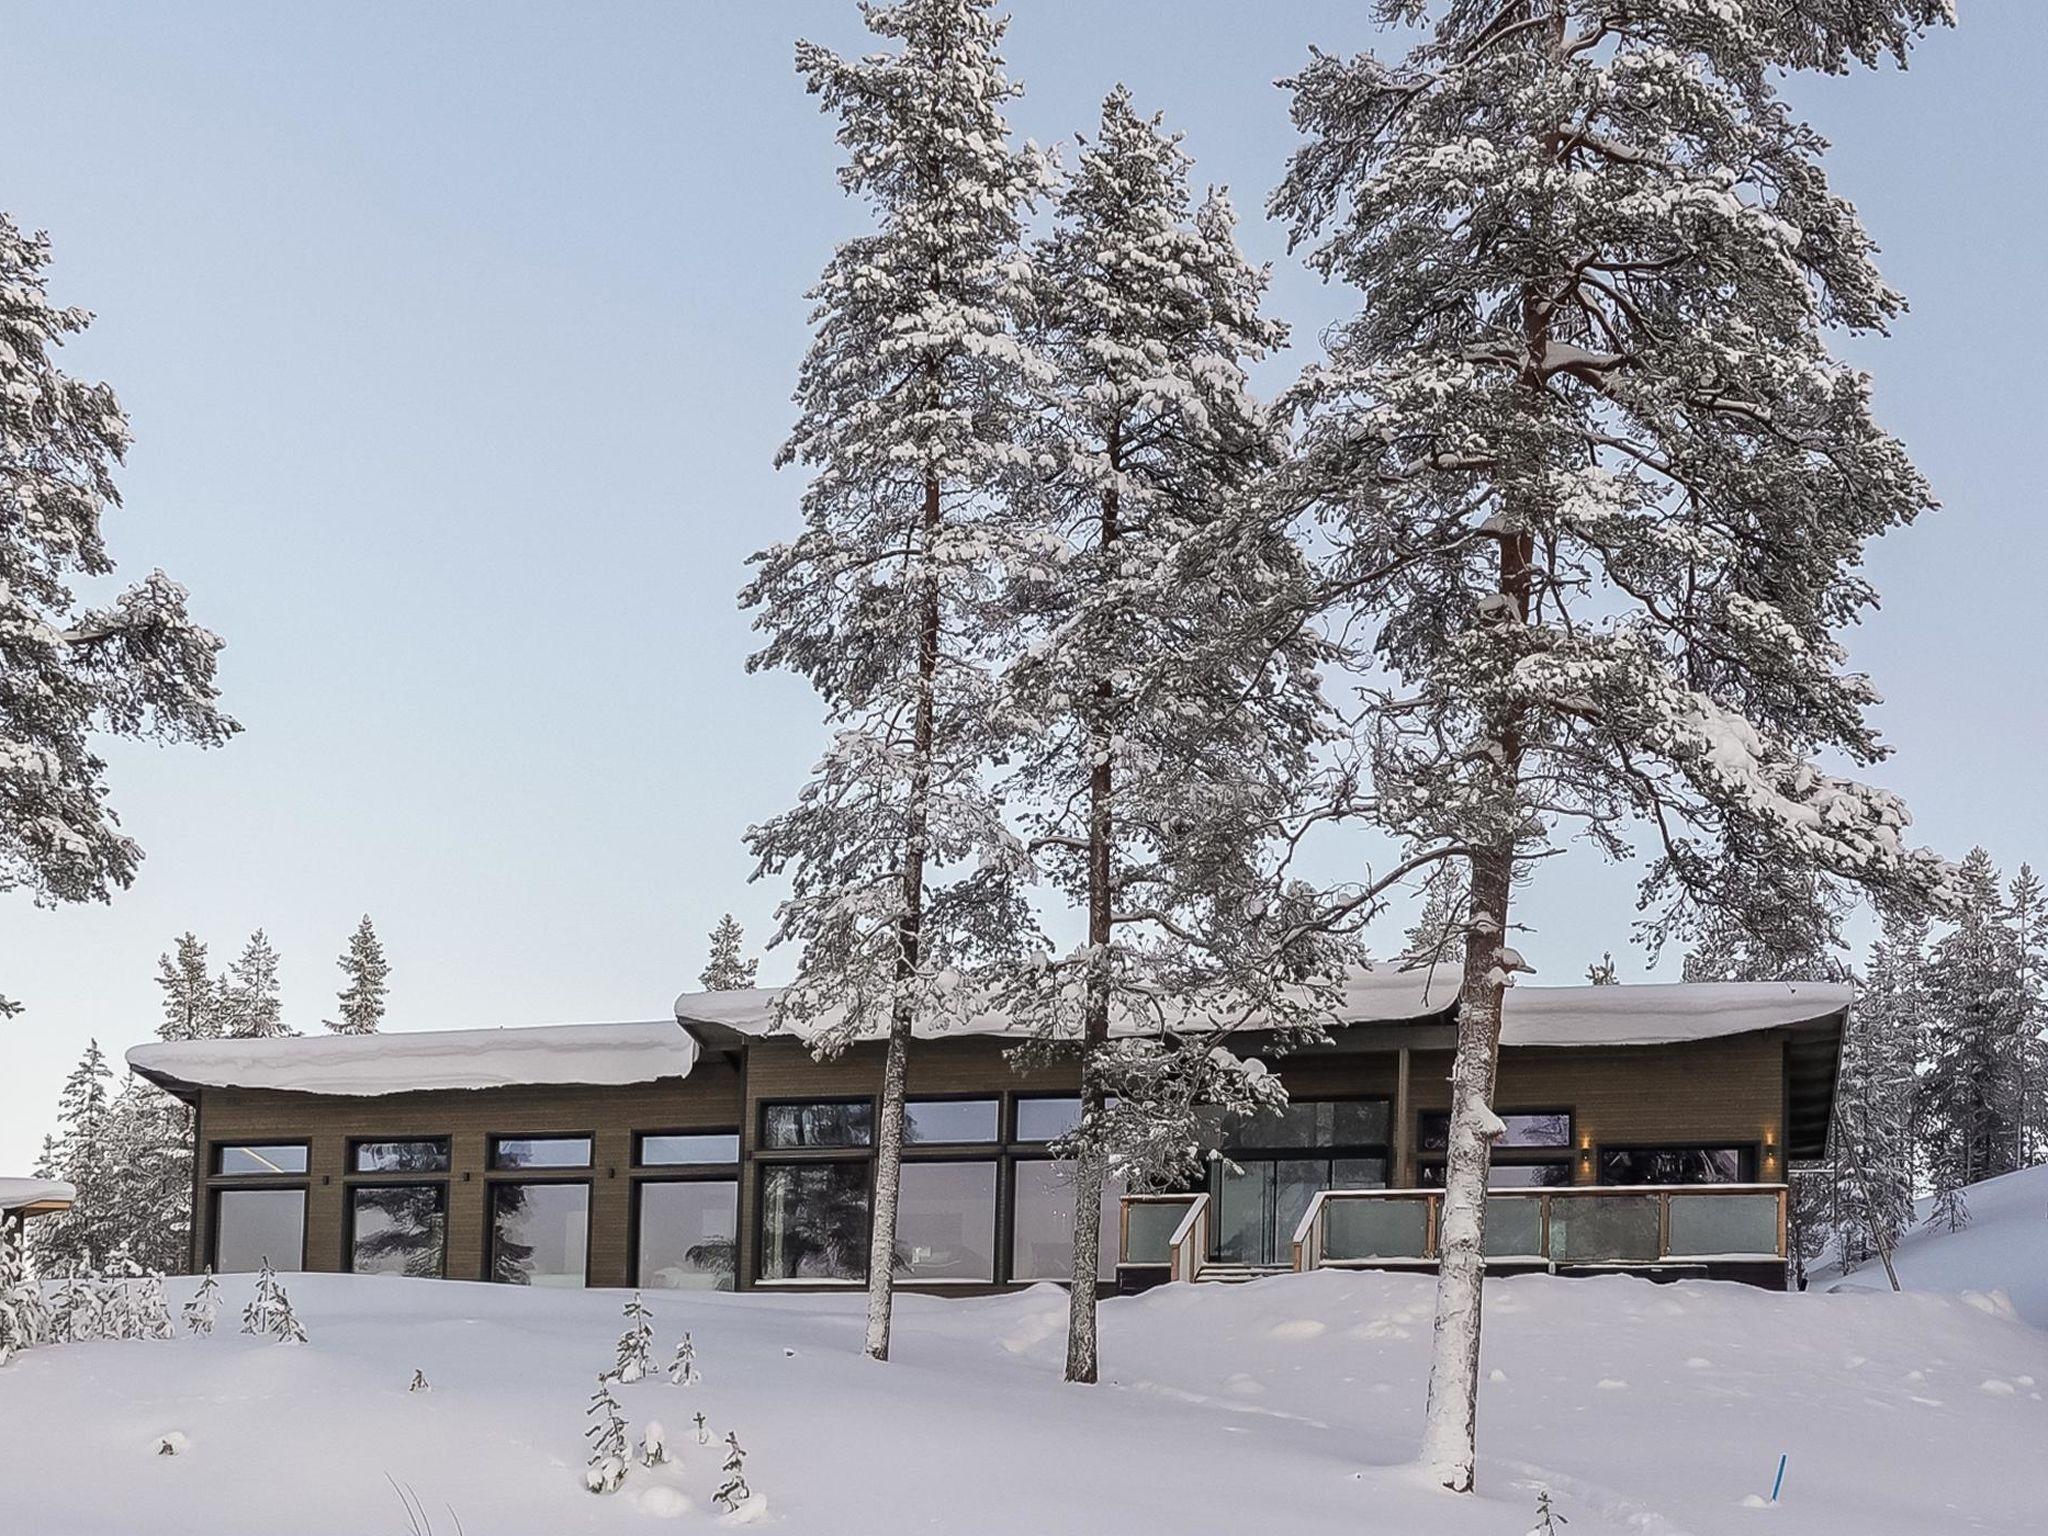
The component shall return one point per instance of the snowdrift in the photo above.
(2001, 1254)
(1291, 1404)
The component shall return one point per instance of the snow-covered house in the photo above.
(21, 1198)
(1645, 1128)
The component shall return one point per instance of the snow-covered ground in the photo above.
(1292, 1404)
(2004, 1248)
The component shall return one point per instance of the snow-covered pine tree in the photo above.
(1594, 483)
(901, 872)
(636, 1344)
(726, 967)
(255, 1008)
(284, 1324)
(82, 1155)
(1967, 1090)
(1871, 1142)
(361, 1000)
(606, 1466)
(2027, 906)
(189, 994)
(1438, 933)
(1602, 973)
(203, 1310)
(1163, 717)
(653, 1444)
(733, 1492)
(138, 667)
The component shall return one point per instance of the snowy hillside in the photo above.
(1290, 1404)
(2004, 1248)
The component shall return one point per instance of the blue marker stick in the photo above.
(1780, 1483)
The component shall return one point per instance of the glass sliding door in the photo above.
(1285, 1160)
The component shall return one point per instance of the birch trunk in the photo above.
(909, 932)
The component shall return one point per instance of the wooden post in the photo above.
(1403, 1171)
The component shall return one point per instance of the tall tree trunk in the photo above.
(909, 937)
(1450, 1443)
(1090, 1172)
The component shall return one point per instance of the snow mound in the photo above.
(1997, 1264)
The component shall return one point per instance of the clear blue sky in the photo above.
(458, 340)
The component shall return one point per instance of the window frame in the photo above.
(995, 1142)
(353, 1187)
(1749, 1154)
(763, 1166)
(583, 1176)
(353, 1171)
(584, 1170)
(1569, 1154)
(764, 1147)
(295, 1184)
(640, 1166)
(218, 1149)
(1006, 1228)
(975, 1152)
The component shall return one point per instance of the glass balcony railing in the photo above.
(1645, 1225)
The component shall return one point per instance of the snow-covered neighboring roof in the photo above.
(16, 1193)
(1647, 1014)
(363, 1065)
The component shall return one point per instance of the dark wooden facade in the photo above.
(1737, 1091)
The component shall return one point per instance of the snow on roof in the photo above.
(1648, 1014)
(362, 1065)
(15, 1193)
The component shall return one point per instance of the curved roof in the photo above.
(35, 1194)
(362, 1065)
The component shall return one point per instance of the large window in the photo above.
(540, 1152)
(398, 1229)
(1042, 1221)
(540, 1233)
(790, 1126)
(686, 1234)
(1046, 1119)
(1677, 1165)
(946, 1221)
(425, 1155)
(1549, 1175)
(1532, 1152)
(1540, 1128)
(252, 1225)
(814, 1220)
(259, 1160)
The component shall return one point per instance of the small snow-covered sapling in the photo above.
(286, 1324)
(203, 1310)
(606, 1468)
(683, 1369)
(703, 1434)
(420, 1382)
(152, 1314)
(734, 1491)
(654, 1444)
(636, 1344)
(260, 1315)
(1547, 1517)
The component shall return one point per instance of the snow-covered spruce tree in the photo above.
(203, 1310)
(1871, 1141)
(190, 999)
(82, 1155)
(1596, 487)
(260, 1315)
(636, 1344)
(148, 1193)
(1602, 972)
(682, 1371)
(138, 667)
(726, 967)
(901, 872)
(24, 1319)
(733, 1492)
(1967, 1090)
(361, 999)
(1161, 722)
(254, 1008)
(606, 1467)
